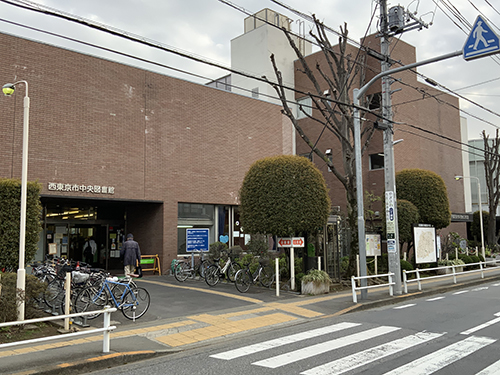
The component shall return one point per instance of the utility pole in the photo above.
(390, 23)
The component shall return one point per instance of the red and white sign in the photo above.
(290, 241)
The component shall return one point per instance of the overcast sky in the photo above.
(205, 28)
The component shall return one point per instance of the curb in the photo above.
(98, 363)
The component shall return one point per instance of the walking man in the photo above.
(478, 34)
(131, 254)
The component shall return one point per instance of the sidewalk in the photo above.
(186, 314)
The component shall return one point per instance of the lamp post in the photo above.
(480, 209)
(8, 89)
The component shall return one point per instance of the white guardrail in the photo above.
(453, 274)
(106, 329)
(390, 284)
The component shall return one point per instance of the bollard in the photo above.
(354, 297)
(106, 333)
(277, 277)
(418, 280)
(454, 273)
(482, 271)
(405, 281)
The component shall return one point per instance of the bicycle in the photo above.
(183, 269)
(133, 301)
(215, 272)
(263, 274)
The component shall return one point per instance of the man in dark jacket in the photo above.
(131, 254)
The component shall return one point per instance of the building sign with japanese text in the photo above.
(94, 189)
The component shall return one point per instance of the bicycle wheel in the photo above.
(266, 276)
(181, 271)
(204, 265)
(243, 279)
(231, 271)
(135, 303)
(212, 275)
(91, 299)
(54, 294)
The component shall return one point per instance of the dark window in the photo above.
(376, 161)
(375, 101)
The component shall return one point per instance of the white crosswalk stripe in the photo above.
(324, 347)
(493, 369)
(428, 364)
(443, 357)
(231, 354)
(365, 357)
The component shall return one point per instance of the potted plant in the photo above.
(316, 282)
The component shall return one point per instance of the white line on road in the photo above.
(493, 369)
(365, 357)
(405, 306)
(435, 299)
(240, 352)
(480, 288)
(313, 350)
(435, 361)
(461, 292)
(481, 326)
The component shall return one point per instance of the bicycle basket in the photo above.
(79, 277)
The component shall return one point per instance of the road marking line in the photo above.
(313, 350)
(481, 326)
(461, 292)
(435, 299)
(405, 306)
(443, 357)
(240, 352)
(367, 356)
(210, 291)
(480, 288)
(493, 369)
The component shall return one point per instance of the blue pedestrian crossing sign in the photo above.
(482, 41)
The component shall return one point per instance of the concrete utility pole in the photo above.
(390, 176)
(392, 21)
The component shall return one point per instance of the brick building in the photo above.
(418, 150)
(119, 149)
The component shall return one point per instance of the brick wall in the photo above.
(152, 137)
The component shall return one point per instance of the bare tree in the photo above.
(334, 112)
(492, 172)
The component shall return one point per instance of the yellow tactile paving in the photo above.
(294, 309)
(200, 334)
(246, 312)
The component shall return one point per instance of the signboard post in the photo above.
(196, 239)
(291, 242)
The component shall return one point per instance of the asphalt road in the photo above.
(451, 333)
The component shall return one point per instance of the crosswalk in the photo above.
(325, 343)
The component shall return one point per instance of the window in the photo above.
(306, 103)
(376, 161)
(308, 155)
(375, 101)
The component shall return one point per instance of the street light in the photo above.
(480, 209)
(8, 89)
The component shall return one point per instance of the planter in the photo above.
(315, 288)
(450, 270)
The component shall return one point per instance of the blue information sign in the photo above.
(196, 240)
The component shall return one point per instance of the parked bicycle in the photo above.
(215, 272)
(263, 274)
(133, 301)
(184, 269)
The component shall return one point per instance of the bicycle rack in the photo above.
(80, 321)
